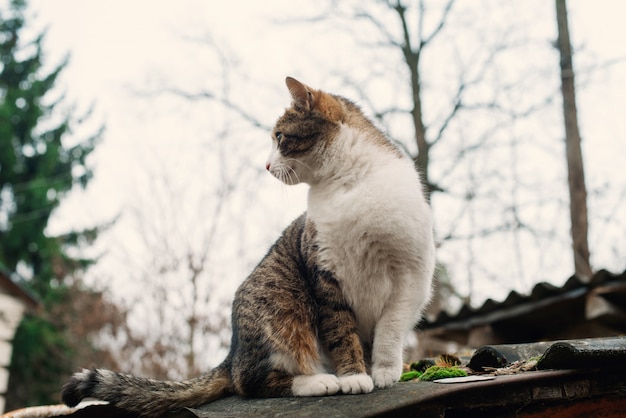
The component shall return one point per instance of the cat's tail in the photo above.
(146, 397)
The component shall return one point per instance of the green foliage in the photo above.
(438, 372)
(44, 356)
(37, 169)
(410, 375)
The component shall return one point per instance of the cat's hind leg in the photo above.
(275, 377)
(277, 350)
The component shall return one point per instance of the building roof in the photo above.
(11, 287)
(547, 306)
(583, 377)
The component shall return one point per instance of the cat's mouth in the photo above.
(284, 173)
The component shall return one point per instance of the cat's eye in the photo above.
(279, 136)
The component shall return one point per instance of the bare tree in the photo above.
(188, 223)
(419, 29)
(573, 151)
(410, 28)
(489, 196)
(177, 225)
(412, 54)
(411, 40)
(179, 213)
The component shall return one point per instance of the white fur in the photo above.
(315, 385)
(287, 362)
(375, 233)
(356, 383)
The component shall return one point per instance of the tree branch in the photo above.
(207, 95)
(442, 22)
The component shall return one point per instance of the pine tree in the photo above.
(37, 169)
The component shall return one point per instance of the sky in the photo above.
(119, 47)
(122, 52)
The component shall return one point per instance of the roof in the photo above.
(12, 288)
(547, 305)
(586, 377)
(589, 353)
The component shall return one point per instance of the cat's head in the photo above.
(304, 133)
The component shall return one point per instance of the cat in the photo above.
(327, 309)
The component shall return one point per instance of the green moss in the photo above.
(410, 375)
(437, 372)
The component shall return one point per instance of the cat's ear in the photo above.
(302, 95)
(308, 99)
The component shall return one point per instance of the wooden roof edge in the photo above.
(15, 289)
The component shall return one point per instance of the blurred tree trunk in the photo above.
(575, 169)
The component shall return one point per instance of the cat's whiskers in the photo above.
(284, 186)
(282, 174)
(287, 174)
(299, 162)
(279, 173)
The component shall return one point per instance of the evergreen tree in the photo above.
(38, 168)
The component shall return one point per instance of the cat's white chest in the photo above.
(369, 236)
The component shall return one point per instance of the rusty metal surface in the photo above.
(561, 393)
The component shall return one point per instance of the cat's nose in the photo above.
(267, 166)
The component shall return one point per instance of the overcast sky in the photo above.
(164, 161)
(120, 46)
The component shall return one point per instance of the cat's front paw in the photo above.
(356, 383)
(315, 385)
(385, 377)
